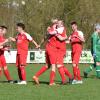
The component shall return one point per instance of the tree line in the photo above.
(37, 15)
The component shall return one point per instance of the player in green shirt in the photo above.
(95, 50)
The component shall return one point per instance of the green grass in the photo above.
(90, 90)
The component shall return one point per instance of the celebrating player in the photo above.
(95, 50)
(22, 40)
(3, 47)
(61, 51)
(76, 40)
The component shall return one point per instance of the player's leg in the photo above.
(74, 73)
(42, 70)
(62, 73)
(5, 69)
(61, 58)
(52, 58)
(89, 69)
(0, 71)
(76, 59)
(77, 63)
(78, 74)
(23, 58)
(0, 67)
(18, 66)
(98, 64)
(76, 70)
(74, 66)
(98, 69)
(52, 74)
(7, 74)
(67, 73)
(60, 65)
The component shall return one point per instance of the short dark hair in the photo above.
(3, 27)
(74, 22)
(21, 25)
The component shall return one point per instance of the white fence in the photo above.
(35, 56)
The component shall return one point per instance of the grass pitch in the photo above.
(89, 90)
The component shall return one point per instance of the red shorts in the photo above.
(54, 55)
(2, 61)
(21, 59)
(51, 55)
(60, 56)
(76, 53)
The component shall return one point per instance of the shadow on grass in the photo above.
(90, 77)
(41, 82)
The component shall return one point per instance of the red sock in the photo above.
(75, 72)
(6, 72)
(23, 73)
(19, 74)
(0, 73)
(62, 74)
(67, 73)
(52, 77)
(41, 71)
(78, 74)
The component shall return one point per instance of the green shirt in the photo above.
(95, 42)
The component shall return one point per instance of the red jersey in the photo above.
(75, 41)
(54, 41)
(61, 44)
(51, 37)
(2, 39)
(23, 42)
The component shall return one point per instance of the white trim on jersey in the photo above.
(28, 36)
(80, 33)
(60, 30)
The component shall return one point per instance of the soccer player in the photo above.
(22, 40)
(95, 50)
(76, 40)
(3, 47)
(61, 51)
